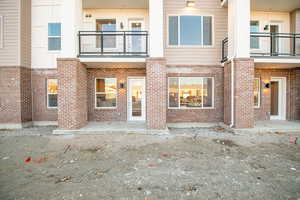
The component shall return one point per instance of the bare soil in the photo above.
(186, 164)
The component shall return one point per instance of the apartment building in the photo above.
(71, 62)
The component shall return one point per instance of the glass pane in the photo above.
(52, 86)
(106, 85)
(54, 44)
(136, 97)
(190, 30)
(173, 30)
(207, 92)
(256, 92)
(106, 100)
(190, 92)
(254, 41)
(52, 100)
(54, 29)
(207, 30)
(109, 41)
(173, 92)
(136, 40)
(274, 98)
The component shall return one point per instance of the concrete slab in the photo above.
(113, 128)
(192, 125)
(273, 126)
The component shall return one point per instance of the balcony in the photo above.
(269, 45)
(132, 44)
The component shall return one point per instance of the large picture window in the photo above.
(106, 93)
(191, 92)
(54, 36)
(52, 93)
(190, 30)
(256, 92)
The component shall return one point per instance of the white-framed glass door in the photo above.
(278, 98)
(136, 107)
(136, 42)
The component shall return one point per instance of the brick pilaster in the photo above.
(156, 93)
(243, 114)
(72, 94)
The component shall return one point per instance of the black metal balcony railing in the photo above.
(274, 44)
(224, 49)
(284, 45)
(113, 43)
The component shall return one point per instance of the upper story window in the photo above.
(190, 30)
(191, 92)
(106, 93)
(54, 36)
(254, 41)
(1, 31)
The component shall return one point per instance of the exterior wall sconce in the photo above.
(266, 27)
(190, 3)
(266, 85)
(88, 15)
(121, 25)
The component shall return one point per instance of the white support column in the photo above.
(239, 12)
(156, 19)
(71, 23)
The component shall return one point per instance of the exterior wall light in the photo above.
(190, 3)
(266, 85)
(122, 85)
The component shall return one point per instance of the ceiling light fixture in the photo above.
(190, 3)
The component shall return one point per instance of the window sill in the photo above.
(105, 108)
(212, 108)
(190, 46)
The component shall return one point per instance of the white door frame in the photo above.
(136, 20)
(129, 100)
(281, 98)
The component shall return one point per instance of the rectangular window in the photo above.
(52, 93)
(254, 41)
(256, 92)
(190, 30)
(54, 36)
(1, 31)
(191, 92)
(106, 93)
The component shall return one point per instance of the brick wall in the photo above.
(227, 93)
(199, 115)
(39, 95)
(119, 113)
(156, 93)
(15, 95)
(72, 94)
(292, 93)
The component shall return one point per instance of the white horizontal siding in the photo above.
(10, 53)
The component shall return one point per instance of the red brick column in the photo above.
(156, 93)
(243, 114)
(72, 94)
(296, 95)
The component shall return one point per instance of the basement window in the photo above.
(191, 92)
(106, 93)
(52, 93)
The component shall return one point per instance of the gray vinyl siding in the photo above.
(10, 53)
(196, 55)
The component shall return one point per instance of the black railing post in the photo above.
(294, 45)
(124, 42)
(79, 43)
(101, 43)
(146, 43)
(271, 44)
(223, 55)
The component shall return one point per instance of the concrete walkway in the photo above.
(112, 127)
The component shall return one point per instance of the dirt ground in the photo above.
(186, 164)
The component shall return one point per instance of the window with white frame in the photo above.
(190, 30)
(106, 93)
(52, 93)
(1, 31)
(256, 92)
(254, 41)
(191, 92)
(54, 36)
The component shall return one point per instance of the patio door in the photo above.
(136, 41)
(136, 108)
(278, 98)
